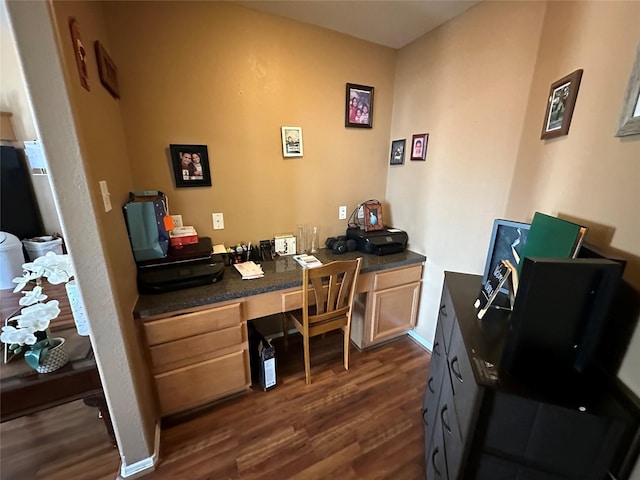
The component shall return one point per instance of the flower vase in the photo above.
(54, 358)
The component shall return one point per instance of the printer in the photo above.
(188, 266)
(379, 242)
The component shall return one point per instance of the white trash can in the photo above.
(39, 246)
(11, 260)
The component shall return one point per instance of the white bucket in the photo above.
(11, 260)
(46, 244)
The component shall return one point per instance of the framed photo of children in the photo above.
(190, 165)
(419, 146)
(397, 152)
(560, 104)
(358, 111)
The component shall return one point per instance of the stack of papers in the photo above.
(307, 261)
(249, 270)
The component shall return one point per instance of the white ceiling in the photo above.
(393, 23)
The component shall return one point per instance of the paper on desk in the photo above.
(220, 248)
(249, 270)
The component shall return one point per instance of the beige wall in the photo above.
(467, 84)
(589, 174)
(217, 74)
(479, 84)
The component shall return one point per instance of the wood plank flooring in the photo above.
(360, 424)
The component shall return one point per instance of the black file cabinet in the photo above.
(482, 425)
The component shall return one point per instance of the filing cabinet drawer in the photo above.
(446, 317)
(190, 324)
(204, 382)
(180, 353)
(453, 440)
(463, 382)
(436, 456)
(397, 277)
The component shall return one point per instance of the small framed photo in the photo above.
(397, 152)
(358, 111)
(419, 146)
(630, 117)
(560, 104)
(107, 70)
(292, 142)
(190, 165)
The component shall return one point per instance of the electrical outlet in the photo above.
(218, 221)
(342, 212)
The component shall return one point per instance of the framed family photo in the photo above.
(107, 70)
(397, 152)
(292, 141)
(419, 146)
(190, 165)
(358, 112)
(560, 104)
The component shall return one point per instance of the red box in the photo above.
(180, 240)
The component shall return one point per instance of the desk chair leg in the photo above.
(285, 331)
(307, 362)
(347, 342)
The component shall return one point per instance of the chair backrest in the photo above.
(334, 286)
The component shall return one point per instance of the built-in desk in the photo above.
(197, 337)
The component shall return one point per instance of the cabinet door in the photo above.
(465, 389)
(394, 311)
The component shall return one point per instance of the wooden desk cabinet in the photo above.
(386, 305)
(198, 357)
(482, 425)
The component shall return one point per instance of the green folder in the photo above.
(552, 237)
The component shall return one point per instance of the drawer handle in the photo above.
(436, 450)
(436, 349)
(443, 309)
(444, 422)
(430, 386)
(455, 368)
(424, 416)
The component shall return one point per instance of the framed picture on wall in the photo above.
(630, 118)
(560, 104)
(419, 146)
(292, 141)
(397, 152)
(358, 112)
(190, 165)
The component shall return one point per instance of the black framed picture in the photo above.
(397, 152)
(560, 104)
(358, 111)
(190, 165)
(507, 240)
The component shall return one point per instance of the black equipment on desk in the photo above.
(380, 242)
(188, 266)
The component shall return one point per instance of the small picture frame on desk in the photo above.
(507, 241)
(190, 165)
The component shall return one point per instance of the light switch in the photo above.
(106, 196)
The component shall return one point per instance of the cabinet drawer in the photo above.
(447, 317)
(463, 382)
(172, 355)
(436, 458)
(397, 277)
(202, 383)
(453, 442)
(190, 324)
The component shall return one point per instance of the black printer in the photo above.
(379, 242)
(188, 266)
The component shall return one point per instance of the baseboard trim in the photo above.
(420, 340)
(145, 465)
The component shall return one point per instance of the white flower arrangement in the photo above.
(31, 332)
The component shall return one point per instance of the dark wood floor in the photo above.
(360, 424)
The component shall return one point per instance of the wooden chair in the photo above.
(333, 287)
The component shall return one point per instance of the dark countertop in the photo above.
(279, 274)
